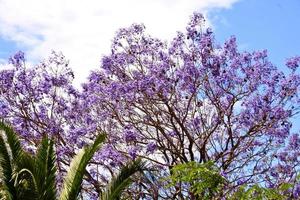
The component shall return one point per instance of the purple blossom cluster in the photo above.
(18, 59)
(293, 63)
(37, 101)
(170, 103)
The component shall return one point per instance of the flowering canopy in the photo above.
(170, 103)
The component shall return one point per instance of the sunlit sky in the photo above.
(83, 30)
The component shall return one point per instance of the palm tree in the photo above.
(114, 189)
(23, 176)
(16, 167)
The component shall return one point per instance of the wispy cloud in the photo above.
(83, 30)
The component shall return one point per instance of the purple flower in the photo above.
(294, 142)
(17, 59)
(130, 136)
(241, 182)
(296, 192)
(293, 63)
(194, 99)
(133, 152)
(3, 109)
(151, 147)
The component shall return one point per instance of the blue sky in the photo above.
(7, 48)
(262, 24)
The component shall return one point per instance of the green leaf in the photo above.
(13, 161)
(45, 170)
(12, 140)
(256, 192)
(74, 177)
(122, 180)
(7, 189)
(285, 186)
(203, 179)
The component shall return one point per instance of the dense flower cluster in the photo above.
(293, 63)
(37, 101)
(188, 100)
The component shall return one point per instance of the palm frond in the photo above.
(74, 177)
(122, 180)
(13, 160)
(45, 170)
(7, 187)
(25, 184)
(12, 140)
(21, 158)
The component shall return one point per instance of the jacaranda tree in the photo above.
(187, 101)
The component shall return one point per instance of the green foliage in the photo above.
(257, 192)
(45, 170)
(7, 186)
(205, 182)
(18, 181)
(122, 180)
(23, 176)
(74, 177)
(27, 177)
(204, 179)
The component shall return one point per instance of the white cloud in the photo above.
(83, 30)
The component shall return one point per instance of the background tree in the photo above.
(37, 100)
(189, 100)
(193, 100)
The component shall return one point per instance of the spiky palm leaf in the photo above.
(17, 184)
(8, 190)
(30, 177)
(74, 177)
(20, 158)
(45, 170)
(26, 177)
(122, 180)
